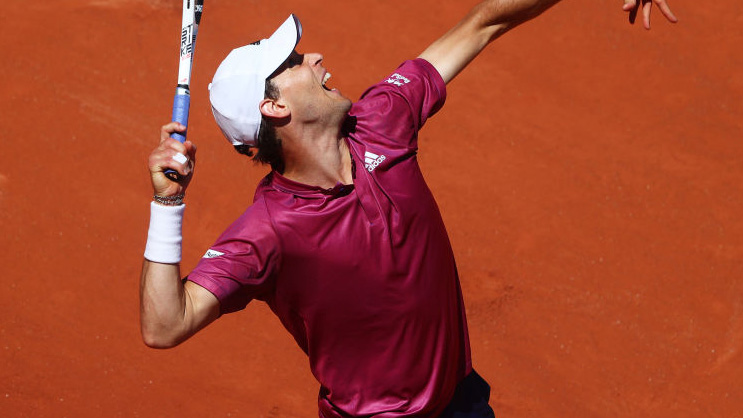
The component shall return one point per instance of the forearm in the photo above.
(498, 16)
(484, 23)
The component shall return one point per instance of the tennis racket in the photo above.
(192, 10)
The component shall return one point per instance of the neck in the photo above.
(316, 158)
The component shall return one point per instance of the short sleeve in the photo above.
(393, 111)
(242, 263)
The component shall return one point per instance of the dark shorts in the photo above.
(470, 399)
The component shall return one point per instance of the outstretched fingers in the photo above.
(663, 6)
(633, 6)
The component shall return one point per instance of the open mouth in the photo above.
(325, 80)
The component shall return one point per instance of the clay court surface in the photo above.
(589, 173)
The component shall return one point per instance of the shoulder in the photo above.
(253, 227)
(393, 110)
(412, 78)
(255, 220)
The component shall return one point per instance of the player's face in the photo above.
(301, 81)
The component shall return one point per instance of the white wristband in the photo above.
(164, 237)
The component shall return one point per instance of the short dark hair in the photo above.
(268, 143)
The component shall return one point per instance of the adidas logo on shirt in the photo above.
(371, 160)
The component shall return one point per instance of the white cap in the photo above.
(239, 84)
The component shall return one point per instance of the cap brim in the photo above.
(282, 41)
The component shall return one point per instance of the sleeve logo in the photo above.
(212, 254)
(397, 80)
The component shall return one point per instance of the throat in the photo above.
(322, 167)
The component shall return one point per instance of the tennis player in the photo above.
(344, 240)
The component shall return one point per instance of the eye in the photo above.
(295, 59)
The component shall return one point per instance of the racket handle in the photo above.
(181, 104)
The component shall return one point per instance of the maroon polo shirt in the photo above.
(362, 275)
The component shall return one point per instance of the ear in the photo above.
(273, 109)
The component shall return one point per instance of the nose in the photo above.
(313, 58)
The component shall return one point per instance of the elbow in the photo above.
(157, 343)
(158, 339)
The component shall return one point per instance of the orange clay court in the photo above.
(589, 173)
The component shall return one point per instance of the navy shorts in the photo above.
(470, 399)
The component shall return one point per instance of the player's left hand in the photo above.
(633, 6)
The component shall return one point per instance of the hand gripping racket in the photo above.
(192, 10)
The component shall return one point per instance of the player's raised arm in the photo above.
(170, 311)
(492, 18)
(484, 23)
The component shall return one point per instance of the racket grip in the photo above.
(181, 104)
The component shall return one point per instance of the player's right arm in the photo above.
(172, 310)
